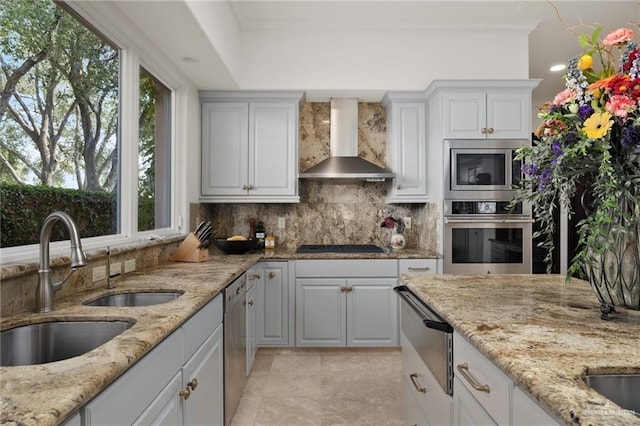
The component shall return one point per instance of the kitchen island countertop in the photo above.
(545, 334)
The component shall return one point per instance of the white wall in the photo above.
(347, 61)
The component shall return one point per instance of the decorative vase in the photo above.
(398, 242)
(614, 275)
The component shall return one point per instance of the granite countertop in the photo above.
(544, 334)
(46, 394)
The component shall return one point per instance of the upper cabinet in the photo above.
(406, 146)
(485, 109)
(250, 147)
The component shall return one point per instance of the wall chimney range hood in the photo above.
(344, 163)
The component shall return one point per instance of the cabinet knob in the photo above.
(251, 302)
(254, 277)
(398, 186)
(272, 275)
(483, 130)
(245, 187)
(349, 289)
(193, 384)
(185, 393)
(343, 289)
(490, 130)
(251, 187)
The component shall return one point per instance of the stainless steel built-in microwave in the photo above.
(481, 169)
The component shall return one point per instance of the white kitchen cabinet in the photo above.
(252, 342)
(249, 147)
(407, 146)
(526, 412)
(178, 382)
(346, 303)
(486, 395)
(418, 266)
(273, 305)
(424, 401)
(487, 115)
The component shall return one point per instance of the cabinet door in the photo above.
(251, 327)
(321, 312)
(272, 324)
(372, 312)
(166, 408)
(526, 412)
(467, 411)
(508, 115)
(225, 148)
(408, 151)
(273, 149)
(411, 412)
(464, 115)
(203, 376)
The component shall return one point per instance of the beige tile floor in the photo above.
(296, 386)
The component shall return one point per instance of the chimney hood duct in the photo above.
(344, 162)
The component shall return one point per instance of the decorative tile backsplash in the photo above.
(332, 212)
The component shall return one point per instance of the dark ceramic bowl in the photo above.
(235, 247)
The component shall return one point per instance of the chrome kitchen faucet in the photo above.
(46, 290)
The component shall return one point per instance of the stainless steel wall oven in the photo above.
(484, 237)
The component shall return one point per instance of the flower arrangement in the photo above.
(391, 223)
(589, 140)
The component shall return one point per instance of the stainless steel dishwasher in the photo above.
(235, 345)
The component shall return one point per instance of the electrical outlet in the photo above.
(116, 269)
(129, 266)
(99, 273)
(407, 222)
(280, 222)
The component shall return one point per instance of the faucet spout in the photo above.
(46, 289)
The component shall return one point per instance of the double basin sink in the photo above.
(46, 342)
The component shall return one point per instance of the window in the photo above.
(65, 129)
(154, 154)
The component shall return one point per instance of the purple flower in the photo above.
(631, 137)
(570, 138)
(545, 178)
(556, 146)
(585, 111)
(530, 169)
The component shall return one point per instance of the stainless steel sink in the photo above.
(623, 389)
(54, 341)
(135, 299)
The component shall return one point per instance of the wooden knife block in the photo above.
(188, 251)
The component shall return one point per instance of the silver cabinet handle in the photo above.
(414, 380)
(464, 370)
(426, 268)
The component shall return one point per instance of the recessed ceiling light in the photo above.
(558, 67)
(189, 59)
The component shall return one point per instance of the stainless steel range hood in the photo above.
(344, 162)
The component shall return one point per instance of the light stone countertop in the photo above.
(544, 334)
(47, 394)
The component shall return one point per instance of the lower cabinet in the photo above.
(423, 399)
(273, 304)
(483, 394)
(346, 303)
(252, 342)
(179, 382)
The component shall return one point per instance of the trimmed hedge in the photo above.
(24, 208)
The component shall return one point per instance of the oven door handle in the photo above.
(436, 325)
(451, 220)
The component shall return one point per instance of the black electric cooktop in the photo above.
(339, 248)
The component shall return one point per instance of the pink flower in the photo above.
(620, 35)
(620, 105)
(563, 97)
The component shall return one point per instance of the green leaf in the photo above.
(583, 41)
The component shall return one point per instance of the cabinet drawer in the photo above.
(417, 266)
(434, 402)
(346, 268)
(201, 325)
(479, 369)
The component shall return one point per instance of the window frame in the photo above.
(135, 52)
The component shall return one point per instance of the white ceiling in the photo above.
(187, 30)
